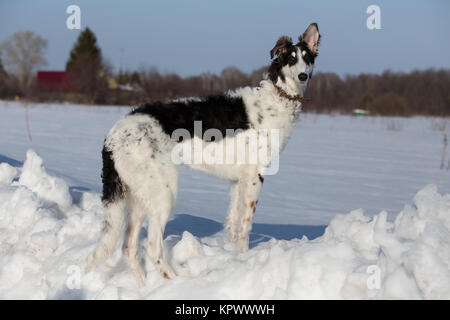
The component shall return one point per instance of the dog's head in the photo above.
(293, 64)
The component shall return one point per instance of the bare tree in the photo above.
(23, 53)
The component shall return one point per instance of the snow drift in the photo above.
(47, 230)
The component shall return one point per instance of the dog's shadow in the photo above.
(12, 162)
(202, 227)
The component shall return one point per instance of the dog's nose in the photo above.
(302, 76)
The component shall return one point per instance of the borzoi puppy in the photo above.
(140, 172)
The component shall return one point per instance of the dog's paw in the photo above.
(90, 261)
(243, 245)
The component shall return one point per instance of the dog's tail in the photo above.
(113, 187)
(113, 200)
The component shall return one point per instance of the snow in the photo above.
(7, 173)
(35, 178)
(46, 234)
(396, 247)
(332, 163)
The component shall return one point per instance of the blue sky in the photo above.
(190, 37)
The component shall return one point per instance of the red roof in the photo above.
(54, 80)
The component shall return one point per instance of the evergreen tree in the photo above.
(85, 50)
(85, 68)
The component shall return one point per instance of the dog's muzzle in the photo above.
(303, 76)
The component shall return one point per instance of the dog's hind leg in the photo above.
(162, 199)
(113, 200)
(136, 216)
(155, 249)
(151, 179)
(114, 222)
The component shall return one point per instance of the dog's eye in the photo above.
(292, 60)
(303, 53)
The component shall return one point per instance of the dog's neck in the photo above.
(269, 107)
(290, 87)
(285, 95)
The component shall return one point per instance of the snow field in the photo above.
(47, 231)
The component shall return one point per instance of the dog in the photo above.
(140, 175)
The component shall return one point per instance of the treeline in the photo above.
(424, 92)
(416, 93)
(92, 81)
(419, 92)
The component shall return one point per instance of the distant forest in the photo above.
(419, 92)
(424, 92)
(89, 79)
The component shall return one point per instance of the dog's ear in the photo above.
(281, 46)
(311, 37)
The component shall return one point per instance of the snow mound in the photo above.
(35, 178)
(7, 173)
(45, 238)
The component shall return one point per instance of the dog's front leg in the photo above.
(233, 219)
(251, 183)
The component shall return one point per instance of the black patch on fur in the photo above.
(309, 57)
(260, 118)
(282, 60)
(261, 178)
(219, 112)
(113, 188)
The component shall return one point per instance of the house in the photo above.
(360, 112)
(54, 81)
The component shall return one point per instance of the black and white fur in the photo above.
(140, 177)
